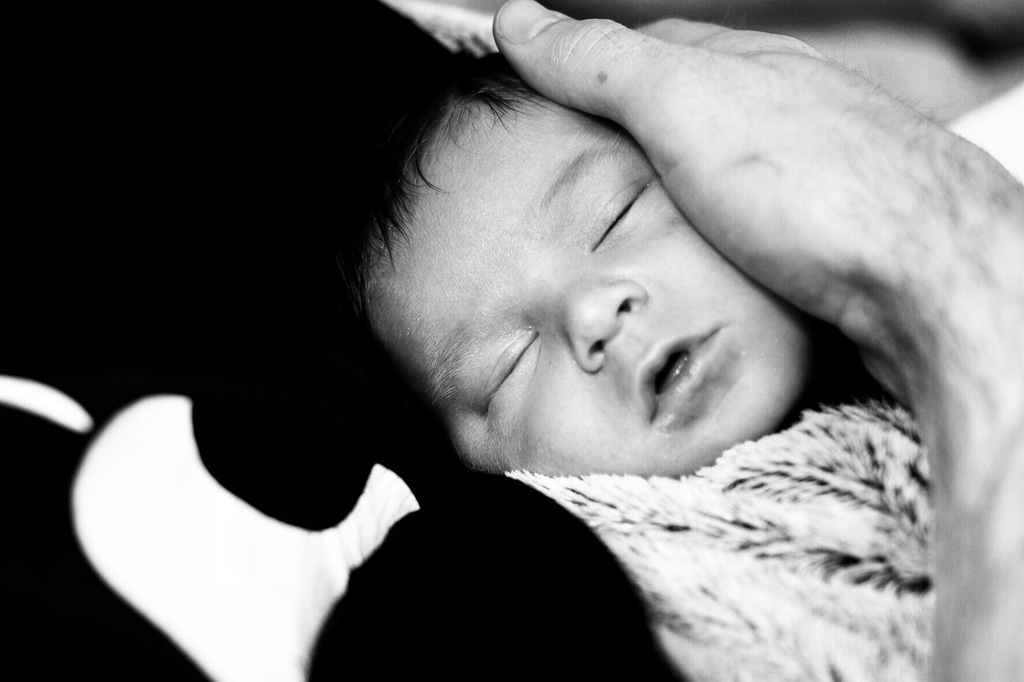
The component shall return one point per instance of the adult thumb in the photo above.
(580, 64)
(630, 77)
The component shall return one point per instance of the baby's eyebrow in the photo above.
(578, 169)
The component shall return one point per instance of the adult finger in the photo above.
(722, 39)
(583, 65)
(731, 121)
(690, 99)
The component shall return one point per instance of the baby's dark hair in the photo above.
(475, 86)
(394, 173)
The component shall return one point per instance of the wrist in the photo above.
(940, 299)
(936, 304)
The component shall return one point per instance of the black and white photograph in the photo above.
(654, 340)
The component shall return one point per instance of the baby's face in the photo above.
(564, 317)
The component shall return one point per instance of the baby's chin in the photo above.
(725, 429)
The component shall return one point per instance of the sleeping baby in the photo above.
(535, 283)
(536, 286)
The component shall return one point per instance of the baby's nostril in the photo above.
(598, 347)
(626, 306)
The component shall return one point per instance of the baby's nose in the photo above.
(595, 314)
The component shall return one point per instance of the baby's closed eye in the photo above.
(509, 361)
(632, 198)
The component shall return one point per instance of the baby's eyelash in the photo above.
(506, 370)
(619, 217)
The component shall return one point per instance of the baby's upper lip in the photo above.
(661, 354)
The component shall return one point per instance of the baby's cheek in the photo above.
(562, 436)
(539, 441)
(502, 440)
(478, 445)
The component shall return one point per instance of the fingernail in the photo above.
(520, 20)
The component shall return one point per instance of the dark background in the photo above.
(176, 184)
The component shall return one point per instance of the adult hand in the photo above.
(865, 214)
(735, 120)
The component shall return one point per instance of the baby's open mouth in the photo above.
(675, 367)
(674, 387)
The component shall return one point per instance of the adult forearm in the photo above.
(979, 497)
(961, 328)
(979, 582)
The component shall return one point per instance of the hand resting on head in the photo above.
(865, 214)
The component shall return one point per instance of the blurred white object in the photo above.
(458, 28)
(44, 401)
(243, 594)
(998, 127)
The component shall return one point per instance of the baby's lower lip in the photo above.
(710, 370)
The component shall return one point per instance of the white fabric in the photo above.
(243, 594)
(802, 555)
(458, 28)
(998, 128)
(44, 401)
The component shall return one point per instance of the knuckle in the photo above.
(590, 42)
(797, 46)
(669, 24)
(761, 44)
(667, 29)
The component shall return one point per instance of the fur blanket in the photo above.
(800, 556)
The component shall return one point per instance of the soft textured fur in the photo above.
(800, 556)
